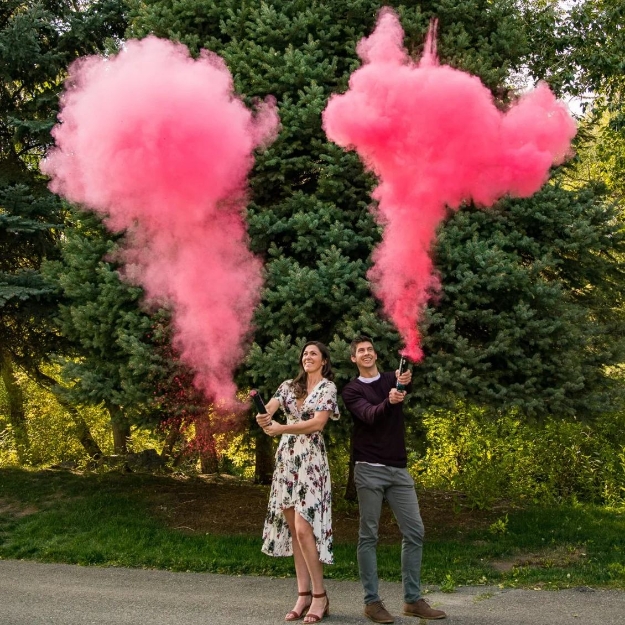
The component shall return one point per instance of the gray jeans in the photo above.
(373, 485)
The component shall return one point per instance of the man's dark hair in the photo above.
(361, 338)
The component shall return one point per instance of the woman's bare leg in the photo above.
(308, 547)
(301, 568)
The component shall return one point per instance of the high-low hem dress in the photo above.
(301, 479)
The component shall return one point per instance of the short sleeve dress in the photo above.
(301, 479)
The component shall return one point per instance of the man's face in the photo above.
(365, 355)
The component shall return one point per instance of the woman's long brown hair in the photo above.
(300, 383)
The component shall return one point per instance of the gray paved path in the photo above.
(32, 593)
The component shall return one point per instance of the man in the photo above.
(380, 472)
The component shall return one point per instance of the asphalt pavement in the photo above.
(33, 593)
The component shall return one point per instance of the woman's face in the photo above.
(312, 360)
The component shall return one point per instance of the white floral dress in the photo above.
(301, 479)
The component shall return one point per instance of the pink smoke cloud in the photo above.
(435, 139)
(159, 144)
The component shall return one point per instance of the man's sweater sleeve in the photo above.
(360, 407)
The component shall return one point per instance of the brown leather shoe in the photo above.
(421, 609)
(377, 613)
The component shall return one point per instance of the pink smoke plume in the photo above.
(159, 144)
(435, 139)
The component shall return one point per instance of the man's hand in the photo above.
(273, 429)
(405, 378)
(263, 419)
(395, 396)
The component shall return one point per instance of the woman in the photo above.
(299, 518)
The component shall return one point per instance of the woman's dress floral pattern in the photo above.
(301, 479)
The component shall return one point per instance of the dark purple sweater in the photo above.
(378, 424)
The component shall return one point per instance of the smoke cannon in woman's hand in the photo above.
(259, 404)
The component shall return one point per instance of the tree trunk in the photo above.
(81, 429)
(209, 463)
(121, 429)
(263, 470)
(170, 440)
(17, 414)
(83, 433)
(206, 445)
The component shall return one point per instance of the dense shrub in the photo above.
(488, 458)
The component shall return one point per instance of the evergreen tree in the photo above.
(309, 215)
(38, 39)
(122, 353)
(99, 316)
(537, 350)
(531, 309)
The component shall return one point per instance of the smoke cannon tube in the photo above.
(259, 404)
(402, 368)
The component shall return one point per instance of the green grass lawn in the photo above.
(105, 519)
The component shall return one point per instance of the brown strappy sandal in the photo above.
(293, 615)
(315, 618)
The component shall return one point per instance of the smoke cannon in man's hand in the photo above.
(403, 364)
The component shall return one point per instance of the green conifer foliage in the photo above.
(309, 215)
(38, 39)
(517, 325)
(531, 306)
(115, 360)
